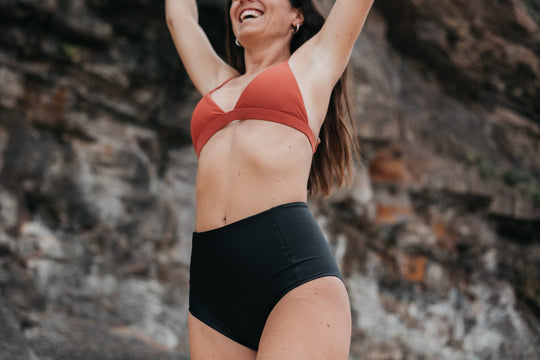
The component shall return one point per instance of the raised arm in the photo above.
(320, 62)
(203, 65)
(333, 44)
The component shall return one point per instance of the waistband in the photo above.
(251, 219)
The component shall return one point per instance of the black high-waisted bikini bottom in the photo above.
(240, 271)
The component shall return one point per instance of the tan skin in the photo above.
(251, 165)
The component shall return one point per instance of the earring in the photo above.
(237, 43)
(295, 29)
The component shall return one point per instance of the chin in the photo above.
(247, 35)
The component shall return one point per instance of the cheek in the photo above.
(282, 22)
(231, 15)
(233, 8)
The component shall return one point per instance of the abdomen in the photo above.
(248, 167)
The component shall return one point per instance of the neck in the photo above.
(261, 57)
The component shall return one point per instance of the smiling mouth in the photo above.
(250, 14)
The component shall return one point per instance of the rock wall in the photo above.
(438, 236)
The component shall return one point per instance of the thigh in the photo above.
(205, 343)
(312, 321)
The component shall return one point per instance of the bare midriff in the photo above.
(248, 167)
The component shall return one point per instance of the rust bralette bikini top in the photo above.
(273, 95)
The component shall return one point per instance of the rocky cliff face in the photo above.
(438, 237)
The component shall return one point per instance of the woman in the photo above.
(263, 283)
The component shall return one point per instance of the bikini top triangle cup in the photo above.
(273, 95)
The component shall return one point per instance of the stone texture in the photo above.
(437, 236)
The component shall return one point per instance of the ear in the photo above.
(299, 17)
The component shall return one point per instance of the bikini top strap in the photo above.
(223, 83)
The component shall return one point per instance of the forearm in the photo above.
(203, 65)
(176, 9)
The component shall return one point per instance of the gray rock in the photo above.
(437, 236)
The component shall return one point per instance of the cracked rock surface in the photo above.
(438, 236)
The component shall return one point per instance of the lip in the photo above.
(245, 9)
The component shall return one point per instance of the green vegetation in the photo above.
(532, 190)
(526, 181)
(530, 281)
(73, 52)
(513, 177)
(487, 169)
(533, 9)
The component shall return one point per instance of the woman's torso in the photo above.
(247, 167)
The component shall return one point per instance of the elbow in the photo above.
(173, 16)
(170, 20)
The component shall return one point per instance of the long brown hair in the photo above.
(333, 161)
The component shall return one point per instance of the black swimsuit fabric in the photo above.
(240, 271)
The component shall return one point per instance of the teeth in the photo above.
(249, 14)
